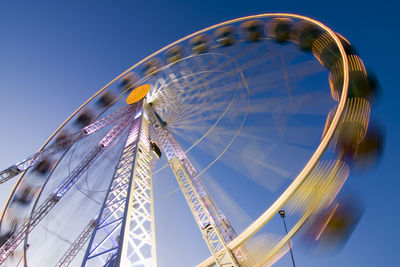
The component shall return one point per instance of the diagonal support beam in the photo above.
(222, 223)
(201, 212)
(75, 247)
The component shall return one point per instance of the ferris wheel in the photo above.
(273, 103)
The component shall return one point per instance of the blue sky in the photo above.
(54, 55)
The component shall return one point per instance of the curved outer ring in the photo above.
(273, 209)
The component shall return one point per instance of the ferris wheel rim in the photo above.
(265, 15)
(311, 163)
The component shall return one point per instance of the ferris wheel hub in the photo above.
(138, 94)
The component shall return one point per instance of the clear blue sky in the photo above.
(54, 55)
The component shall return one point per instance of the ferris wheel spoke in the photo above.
(188, 80)
(60, 145)
(12, 243)
(198, 106)
(295, 73)
(246, 154)
(202, 81)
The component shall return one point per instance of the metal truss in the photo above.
(200, 210)
(53, 149)
(12, 243)
(222, 223)
(124, 231)
(78, 244)
(219, 218)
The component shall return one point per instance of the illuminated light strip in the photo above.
(320, 44)
(327, 221)
(335, 75)
(320, 187)
(357, 111)
(295, 228)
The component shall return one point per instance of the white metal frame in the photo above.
(124, 231)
